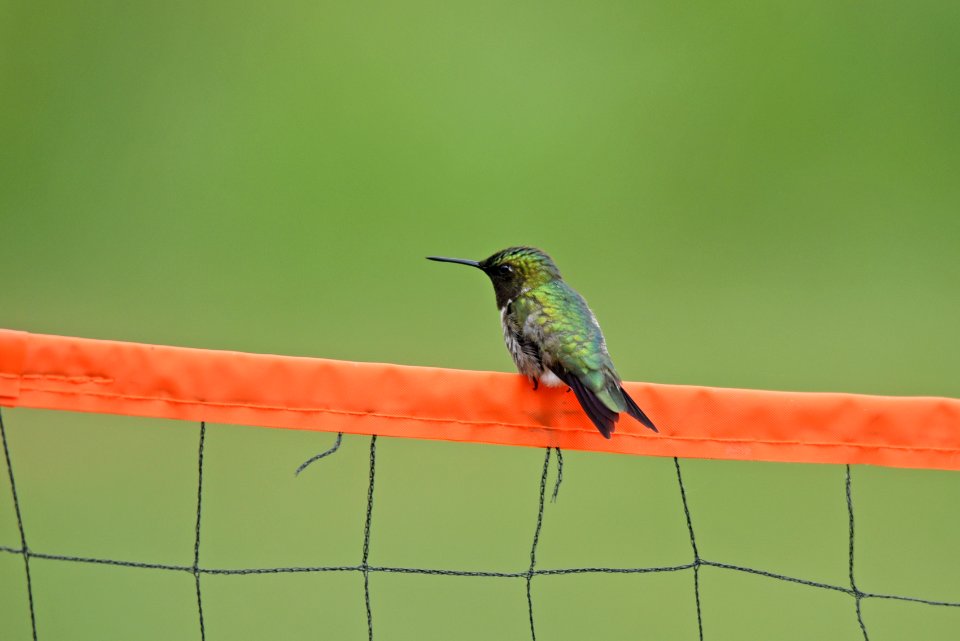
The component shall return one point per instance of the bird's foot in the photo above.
(536, 382)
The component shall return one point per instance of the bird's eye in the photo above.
(505, 269)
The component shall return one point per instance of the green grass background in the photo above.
(749, 194)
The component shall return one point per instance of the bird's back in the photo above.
(560, 321)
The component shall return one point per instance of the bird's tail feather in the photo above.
(602, 416)
(634, 410)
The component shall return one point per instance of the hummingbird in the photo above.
(553, 335)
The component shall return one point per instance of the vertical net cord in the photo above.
(693, 544)
(364, 566)
(325, 453)
(23, 537)
(556, 487)
(536, 540)
(857, 594)
(196, 541)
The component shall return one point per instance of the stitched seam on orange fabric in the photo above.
(199, 404)
(99, 380)
(301, 410)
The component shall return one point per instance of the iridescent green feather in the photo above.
(569, 337)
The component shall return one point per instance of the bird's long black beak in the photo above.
(462, 261)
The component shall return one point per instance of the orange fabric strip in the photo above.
(76, 374)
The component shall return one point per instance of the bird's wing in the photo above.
(575, 350)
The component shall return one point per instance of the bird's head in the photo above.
(513, 270)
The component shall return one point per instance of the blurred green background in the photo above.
(749, 194)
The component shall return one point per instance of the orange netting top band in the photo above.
(111, 377)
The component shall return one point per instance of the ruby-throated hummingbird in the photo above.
(552, 335)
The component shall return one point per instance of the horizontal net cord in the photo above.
(386, 569)
(76, 374)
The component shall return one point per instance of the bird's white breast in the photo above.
(550, 379)
(526, 363)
